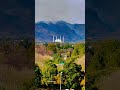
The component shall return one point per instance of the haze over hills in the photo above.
(44, 30)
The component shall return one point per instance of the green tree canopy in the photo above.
(52, 47)
(49, 72)
(72, 75)
(38, 76)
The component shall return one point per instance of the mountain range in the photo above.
(44, 30)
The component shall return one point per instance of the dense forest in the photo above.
(52, 59)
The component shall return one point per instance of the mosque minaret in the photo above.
(59, 39)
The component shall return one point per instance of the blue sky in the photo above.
(72, 11)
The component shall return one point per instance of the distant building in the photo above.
(58, 39)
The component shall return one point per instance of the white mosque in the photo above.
(58, 39)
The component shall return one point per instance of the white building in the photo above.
(58, 39)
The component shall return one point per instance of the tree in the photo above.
(57, 58)
(72, 75)
(38, 76)
(26, 43)
(67, 45)
(49, 72)
(79, 49)
(52, 47)
(45, 44)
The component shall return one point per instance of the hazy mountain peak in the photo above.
(44, 30)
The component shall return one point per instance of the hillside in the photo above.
(44, 30)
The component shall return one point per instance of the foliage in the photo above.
(38, 76)
(49, 71)
(103, 56)
(79, 49)
(28, 85)
(26, 43)
(45, 44)
(67, 45)
(52, 47)
(72, 75)
(57, 58)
